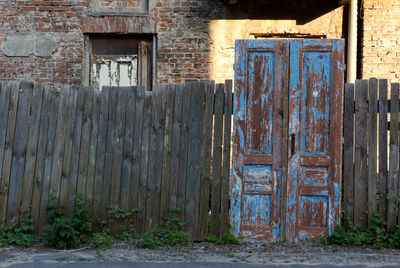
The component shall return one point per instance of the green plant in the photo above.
(3, 190)
(226, 239)
(169, 232)
(102, 240)
(124, 218)
(68, 231)
(19, 233)
(376, 235)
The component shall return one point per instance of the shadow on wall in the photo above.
(302, 11)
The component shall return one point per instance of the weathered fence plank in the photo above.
(194, 158)
(76, 144)
(205, 176)
(85, 142)
(111, 122)
(48, 158)
(68, 143)
(372, 147)
(176, 130)
(118, 145)
(18, 151)
(27, 188)
(99, 205)
(91, 172)
(155, 157)
(59, 143)
(183, 150)
(393, 157)
(4, 104)
(217, 160)
(360, 163)
(383, 126)
(226, 165)
(136, 154)
(39, 168)
(12, 114)
(166, 166)
(144, 164)
(127, 150)
(348, 161)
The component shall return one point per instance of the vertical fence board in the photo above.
(205, 179)
(166, 166)
(183, 150)
(176, 130)
(12, 114)
(155, 157)
(85, 141)
(192, 205)
(68, 143)
(348, 171)
(224, 220)
(27, 188)
(39, 167)
(111, 122)
(217, 160)
(383, 126)
(127, 150)
(76, 144)
(136, 153)
(118, 145)
(59, 142)
(144, 162)
(372, 148)
(360, 165)
(90, 182)
(99, 212)
(19, 147)
(393, 157)
(48, 158)
(4, 103)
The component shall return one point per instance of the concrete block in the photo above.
(19, 45)
(45, 44)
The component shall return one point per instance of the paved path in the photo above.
(121, 264)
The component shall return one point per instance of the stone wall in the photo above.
(381, 39)
(43, 40)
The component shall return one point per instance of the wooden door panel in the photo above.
(315, 116)
(257, 145)
(259, 103)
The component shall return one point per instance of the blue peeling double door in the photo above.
(287, 139)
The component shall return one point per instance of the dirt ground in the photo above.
(248, 252)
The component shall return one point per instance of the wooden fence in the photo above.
(123, 147)
(371, 165)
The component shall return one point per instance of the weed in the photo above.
(169, 232)
(226, 239)
(102, 240)
(376, 235)
(117, 215)
(68, 231)
(19, 233)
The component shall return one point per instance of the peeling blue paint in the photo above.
(257, 209)
(317, 73)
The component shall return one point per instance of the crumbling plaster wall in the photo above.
(381, 39)
(43, 40)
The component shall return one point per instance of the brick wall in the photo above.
(43, 40)
(381, 39)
